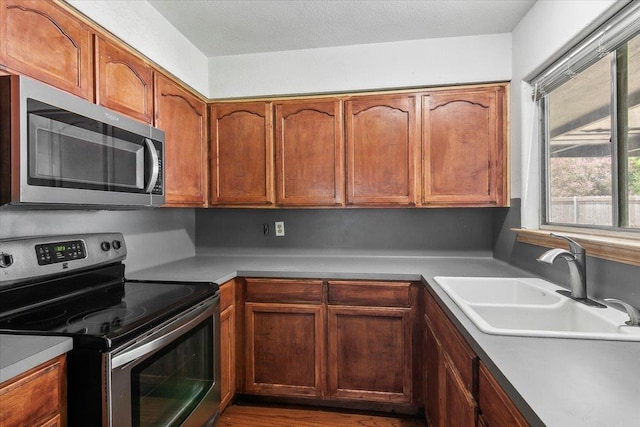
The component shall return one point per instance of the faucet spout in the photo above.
(576, 260)
(550, 256)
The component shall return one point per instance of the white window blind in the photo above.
(606, 39)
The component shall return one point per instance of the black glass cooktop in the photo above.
(100, 308)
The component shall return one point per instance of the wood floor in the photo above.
(267, 416)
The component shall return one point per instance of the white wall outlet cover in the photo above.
(279, 226)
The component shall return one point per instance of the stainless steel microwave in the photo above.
(58, 149)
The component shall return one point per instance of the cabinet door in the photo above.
(227, 343)
(123, 82)
(182, 117)
(309, 153)
(382, 148)
(37, 397)
(448, 400)
(370, 353)
(432, 382)
(458, 406)
(464, 155)
(495, 405)
(242, 154)
(227, 356)
(42, 40)
(285, 348)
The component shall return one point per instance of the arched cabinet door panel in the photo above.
(182, 117)
(42, 40)
(123, 82)
(463, 136)
(382, 150)
(242, 154)
(309, 153)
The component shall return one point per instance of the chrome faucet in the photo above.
(632, 312)
(576, 259)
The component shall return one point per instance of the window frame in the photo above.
(615, 244)
(616, 159)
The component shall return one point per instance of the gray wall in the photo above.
(404, 230)
(605, 279)
(152, 236)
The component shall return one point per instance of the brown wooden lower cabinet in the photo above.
(324, 341)
(370, 353)
(449, 365)
(36, 398)
(497, 410)
(227, 343)
(356, 344)
(285, 349)
(285, 338)
(459, 390)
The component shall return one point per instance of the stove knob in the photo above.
(5, 260)
(105, 246)
(116, 244)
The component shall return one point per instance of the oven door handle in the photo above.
(131, 354)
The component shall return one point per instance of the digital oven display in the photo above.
(51, 253)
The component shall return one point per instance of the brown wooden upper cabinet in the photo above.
(382, 150)
(309, 153)
(124, 82)
(42, 40)
(463, 151)
(182, 116)
(242, 154)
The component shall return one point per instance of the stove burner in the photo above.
(106, 320)
(41, 316)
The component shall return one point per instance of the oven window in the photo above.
(167, 387)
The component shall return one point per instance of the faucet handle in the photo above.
(574, 246)
(634, 313)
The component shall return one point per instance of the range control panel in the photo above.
(32, 257)
(51, 253)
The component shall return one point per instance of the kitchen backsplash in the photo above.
(156, 236)
(436, 231)
(153, 236)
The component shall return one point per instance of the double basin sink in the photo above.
(532, 307)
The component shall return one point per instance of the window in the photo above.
(590, 109)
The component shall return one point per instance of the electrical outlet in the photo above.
(279, 226)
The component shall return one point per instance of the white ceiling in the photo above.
(233, 27)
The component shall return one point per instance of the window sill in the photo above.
(613, 248)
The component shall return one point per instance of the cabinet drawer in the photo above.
(372, 294)
(463, 358)
(227, 295)
(284, 291)
(497, 408)
(34, 397)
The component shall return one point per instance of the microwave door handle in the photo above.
(155, 168)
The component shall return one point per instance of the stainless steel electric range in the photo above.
(145, 353)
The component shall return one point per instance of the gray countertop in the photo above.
(19, 353)
(554, 382)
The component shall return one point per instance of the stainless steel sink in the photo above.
(532, 307)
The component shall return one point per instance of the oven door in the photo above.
(170, 377)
